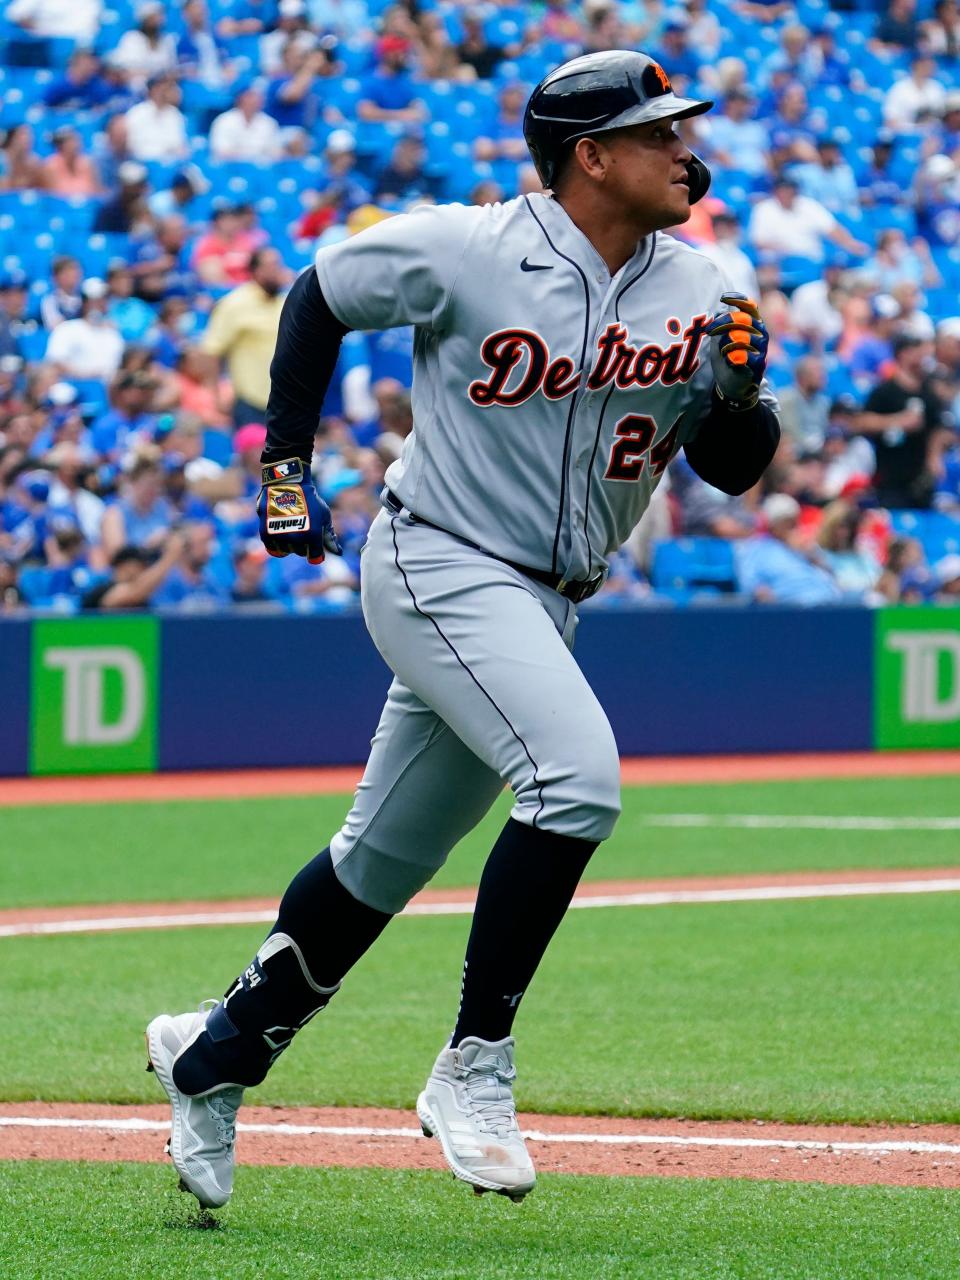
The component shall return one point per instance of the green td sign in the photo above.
(917, 696)
(94, 695)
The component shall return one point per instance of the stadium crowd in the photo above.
(165, 171)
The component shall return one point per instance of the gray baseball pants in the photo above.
(486, 691)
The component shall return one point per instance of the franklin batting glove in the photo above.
(738, 351)
(293, 516)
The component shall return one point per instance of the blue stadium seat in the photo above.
(35, 581)
(687, 563)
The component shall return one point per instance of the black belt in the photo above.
(570, 589)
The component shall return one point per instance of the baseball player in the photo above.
(566, 349)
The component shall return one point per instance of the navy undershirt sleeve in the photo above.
(731, 450)
(308, 344)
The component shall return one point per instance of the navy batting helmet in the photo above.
(597, 93)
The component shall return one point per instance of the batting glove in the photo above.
(738, 351)
(293, 516)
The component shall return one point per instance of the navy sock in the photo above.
(321, 932)
(525, 890)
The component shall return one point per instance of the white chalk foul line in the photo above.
(651, 898)
(807, 821)
(136, 1125)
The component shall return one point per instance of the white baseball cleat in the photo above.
(203, 1128)
(468, 1104)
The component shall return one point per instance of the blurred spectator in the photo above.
(162, 262)
(506, 140)
(294, 98)
(805, 407)
(706, 512)
(788, 223)
(342, 188)
(853, 568)
(249, 574)
(904, 419)
(80, 87)
(156, 128)
(897, 29)
(22, 167)
(792, 133)
(777, 566)
(142, 515)
(88, 346)
(291, 27)
(870, 354)
(474, 50)
(915, 98)
(829, 179)
(222, 256)
(185, 187)
(129, 422)
(734, 138)
(904, 578)
(436, 56)
(389, 93)
(68, 172)
(63, 19)
(110, 150)
(201, 390)
(13, 305)
(201, 56)
(192, 583)
(246, 132)
(487, 192)
(136, 575)
(243, 332)
(946, 373)
(937, 196)
(725, 251)
(133, 318)
(404, 176)
(941, 32)
(677, 53)
(559, 23)
(127, 209)
(896, 261)
(879, 186)
(69, 491)
(946, 580)
(848, 458)
(11, 601)
(146, 52)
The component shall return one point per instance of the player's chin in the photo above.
(680, 200)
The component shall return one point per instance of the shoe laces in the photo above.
(488, 1086)
(223, 1108)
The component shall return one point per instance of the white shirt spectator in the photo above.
(156, 133)
(74, 19)
(735, 265)
(234, 137)
(813, 313)
(794, 232)
(906, 100)
(85, 350)
(141, 59)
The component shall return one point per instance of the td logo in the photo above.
(94, 695)
(918, 678)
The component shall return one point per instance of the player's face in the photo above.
(647, 172)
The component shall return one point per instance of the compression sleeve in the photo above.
(307, 347)
(731, 450)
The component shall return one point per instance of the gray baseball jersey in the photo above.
(548, 395)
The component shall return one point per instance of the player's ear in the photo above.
(591, 156)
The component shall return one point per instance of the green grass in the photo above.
(225, 848)
(814, 1010)
(101, 1221)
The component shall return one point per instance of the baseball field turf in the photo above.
(825, 1009)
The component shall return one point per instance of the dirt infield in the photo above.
(106, 917)
(927, 1156)
(653, 771)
